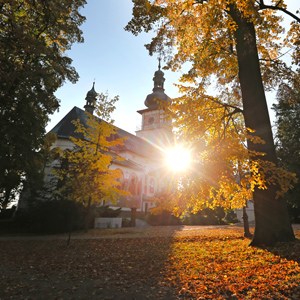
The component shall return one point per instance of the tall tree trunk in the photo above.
(272, 222)
(71, 221)
(133, 217)
(247, 232)
(87, 216)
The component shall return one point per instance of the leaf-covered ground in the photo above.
(151, 263)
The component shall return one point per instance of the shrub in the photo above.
(107, 212)
(231, 216)
(163, 219)
(52, 216)
(205, 216)
(126, 222)
(7, 213)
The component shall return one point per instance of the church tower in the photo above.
(91, 98)
(156, 127)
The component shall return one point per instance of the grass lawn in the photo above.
(187, 263)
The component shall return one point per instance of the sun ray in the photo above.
(178, 158)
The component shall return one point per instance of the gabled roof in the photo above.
(130, 164)
(65, 129)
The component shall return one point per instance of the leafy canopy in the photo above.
(202, 36)
(288, 139)
(85, 174)
(34, 35)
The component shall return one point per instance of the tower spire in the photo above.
(90, 100)
(158, 89)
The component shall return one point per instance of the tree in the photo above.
(33, 187)
(34, 35)
(288, 139)
(235, 44)
(85, 175)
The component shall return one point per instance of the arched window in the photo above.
(133, 181)
(139, 187)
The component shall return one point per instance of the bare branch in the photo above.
(235, 111)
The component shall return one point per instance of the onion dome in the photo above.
(158, 91)
(90, 98)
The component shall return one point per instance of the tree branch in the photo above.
(226, 105)
(235, 111)
(199, 1)
(277, 7)
(276, 60)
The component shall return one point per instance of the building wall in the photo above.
(146, 179)
(63, 144)
(249, 211)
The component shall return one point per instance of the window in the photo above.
(152, 185)
(151, 120)
(133, 184)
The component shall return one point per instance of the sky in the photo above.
(117, 61)
(119, 64)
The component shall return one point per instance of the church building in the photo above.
(144, 168)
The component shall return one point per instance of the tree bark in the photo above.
(71, 224)
(247, 232)
(272, 222)
(133, 216)
(87, 216)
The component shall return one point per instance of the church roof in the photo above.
(65, 129)
(131, 164)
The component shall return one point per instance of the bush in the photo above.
(52, 216)
(205, 216)
(106, 212)
(126, 222)
(231, 217)
(7, 213)
(163, 219)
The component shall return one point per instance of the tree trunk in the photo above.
(71, 224)
(133, 216)
(87, 216)
(272, 222)
(247, 232)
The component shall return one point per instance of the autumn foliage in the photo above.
(230, 53)
(160, 263)
(35, 35)
(84, 173)
(220, 266)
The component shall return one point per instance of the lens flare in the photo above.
(178, 159)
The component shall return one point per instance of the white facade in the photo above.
(143, 168)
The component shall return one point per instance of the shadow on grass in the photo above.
(287, 250)
(88, 269)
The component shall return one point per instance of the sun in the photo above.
(178, 159)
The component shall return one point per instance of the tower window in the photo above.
(151, 120)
